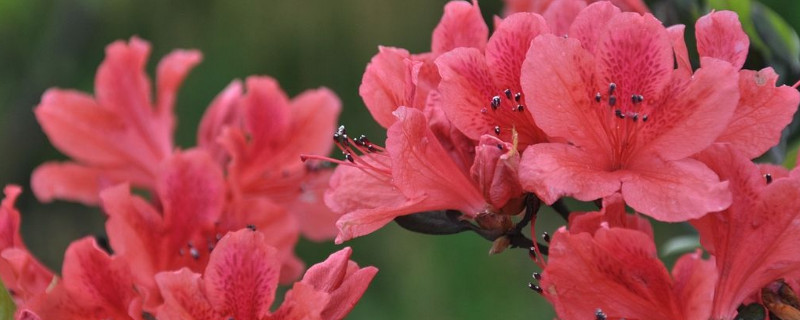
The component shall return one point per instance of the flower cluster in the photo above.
(204, 233)
(590, 102)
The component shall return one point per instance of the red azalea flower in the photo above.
(542, 6)
(121, 134)
(755, 240)
(260, 135)
(482, 94)
(763, 109)
(240, 281)
(24, 276)
(395, 78)
(630, 120)
(413, 174)
(617, 272)
(190, 215)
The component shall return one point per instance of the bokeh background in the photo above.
(304, 44)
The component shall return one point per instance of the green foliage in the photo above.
(753, 311)
(7, 306)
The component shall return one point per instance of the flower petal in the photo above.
(171, 72)
(612, 215)
(590, 23)
(302, 302)
(553, 170)
(679, 46)
(461, 26)
(720, 35)
(221, 113)
(242, 275)
(674, 191)
(317, 221)
(343, 279)
(509, 45)
(694, 285)
(561, 14)
(267, 115)
(388, 83)
(763, 112)
(68, 180)
(184, 296)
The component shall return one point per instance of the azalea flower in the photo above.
(543, 6)
(481, 93)
(615, 272)
(754, 240)
(630, 122)
(259, 137)
(121, 134)
(23, 276)
(241, 278)
(764, 110)
(192, 214)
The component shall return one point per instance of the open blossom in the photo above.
(763, 110)
(755, 240)
(241, 278)
(617, 272)
(629, 119)
(120, 135)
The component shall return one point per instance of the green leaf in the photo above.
(7, 306)
(777, 34)
(680, 244)
(743, 9)
(791, 155)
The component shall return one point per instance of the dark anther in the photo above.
(495, 102)
(349, 157)
(193, 252)
(600, 315)
(611, 87)
(500, 146)
(635, 116)
(612, 100)
(619, 114)
(497, 129)
(546, 237)
(644, 118)
(535, 287)
(532, 253)
(520, 108)
(537, 276)
(637, 98)
(517, 96)
(768, 177)
(598, 97)
(252, 227)
(508, 93)
(371, 148)
(362, 140)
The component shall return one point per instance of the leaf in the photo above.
(680, 244)
(7, 306)
(777, 34)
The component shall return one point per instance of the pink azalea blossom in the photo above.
(241, 278)
(616, 272)
(120, 135)
(543, 6)
(190, 216)
(763, 109)
(754, 241)
(630, 121)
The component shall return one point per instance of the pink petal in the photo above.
(753, 240)
(635, 53)
(221, 113)
(345, 281)
(242, 275)
(630, 5)
(509, 45)
(553, 170)
(9, 218)
(763, 112)
(388, 83)
(679, 46)
(122, 88)
(100, 283)
(267, 115)
(696, 116)
(315, 114)
(461, 26)
(184, 296)
(495, 170)
(720, 35)
(302, 302)
(674, 191)
(68, 180)
(591, 23)
(170, 73)
(612, 214)
(422, 168)
(616, 270)
(561, 14)
(557, 80)
(317, 221)
(694, 285)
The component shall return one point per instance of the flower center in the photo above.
(360, 153)
(622, 118)
(506, 107)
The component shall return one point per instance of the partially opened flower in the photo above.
(241, 278)
(764, 110)
(191, 215)
(24, 276)
(755, 240)
(616, 272)
(629, 120)
(121, 134)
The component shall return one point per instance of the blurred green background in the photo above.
(304, 44)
